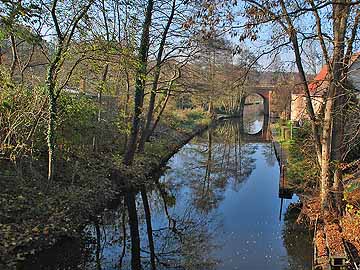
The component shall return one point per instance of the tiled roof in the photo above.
(319, 80)
(318, 85)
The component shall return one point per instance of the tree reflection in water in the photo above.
(182, 214)
(184, 226)
(297, 240)
(213, 161)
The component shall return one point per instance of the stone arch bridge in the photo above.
(263, 91)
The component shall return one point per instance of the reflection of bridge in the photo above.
(263, 91)
(264, 135)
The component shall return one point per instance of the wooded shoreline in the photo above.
(19, 253)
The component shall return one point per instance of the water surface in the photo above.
(221, 192)
(215, 207)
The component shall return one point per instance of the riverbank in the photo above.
(334, 238)
(35, 218)
(197, 213)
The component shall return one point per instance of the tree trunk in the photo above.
(103, 81)
(98, 246)
(51, 132)
(123, 252)
(149, 227)
(26, 65)
(326, 153)
(130, 198)
(168, 94)
(291, 31)
(100, 95)
(146, 131)
(209, 160)
(340, 17)
(139, 85)
(127, 116)
(161, 112)
(14, 55)
(54, 66)
(145, 134)
(323, 146)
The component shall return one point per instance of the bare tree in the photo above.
(286, 16)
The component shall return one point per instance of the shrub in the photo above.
(22, 117)
(187, 119)
(303, 170)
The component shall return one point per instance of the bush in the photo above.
(77, 118)
(303, 170)
(22, 117)
(188, 119)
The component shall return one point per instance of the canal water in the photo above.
(215, 207)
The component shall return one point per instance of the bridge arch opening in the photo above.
(255, 100)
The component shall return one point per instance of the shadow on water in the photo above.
(216, 207)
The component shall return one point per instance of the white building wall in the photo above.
(298, 106)
(298, 101)
(354, 74)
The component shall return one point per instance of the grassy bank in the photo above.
(301, 168)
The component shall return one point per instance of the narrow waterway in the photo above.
(215, 207)
(222, 201)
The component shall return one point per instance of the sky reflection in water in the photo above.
(223, 194)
